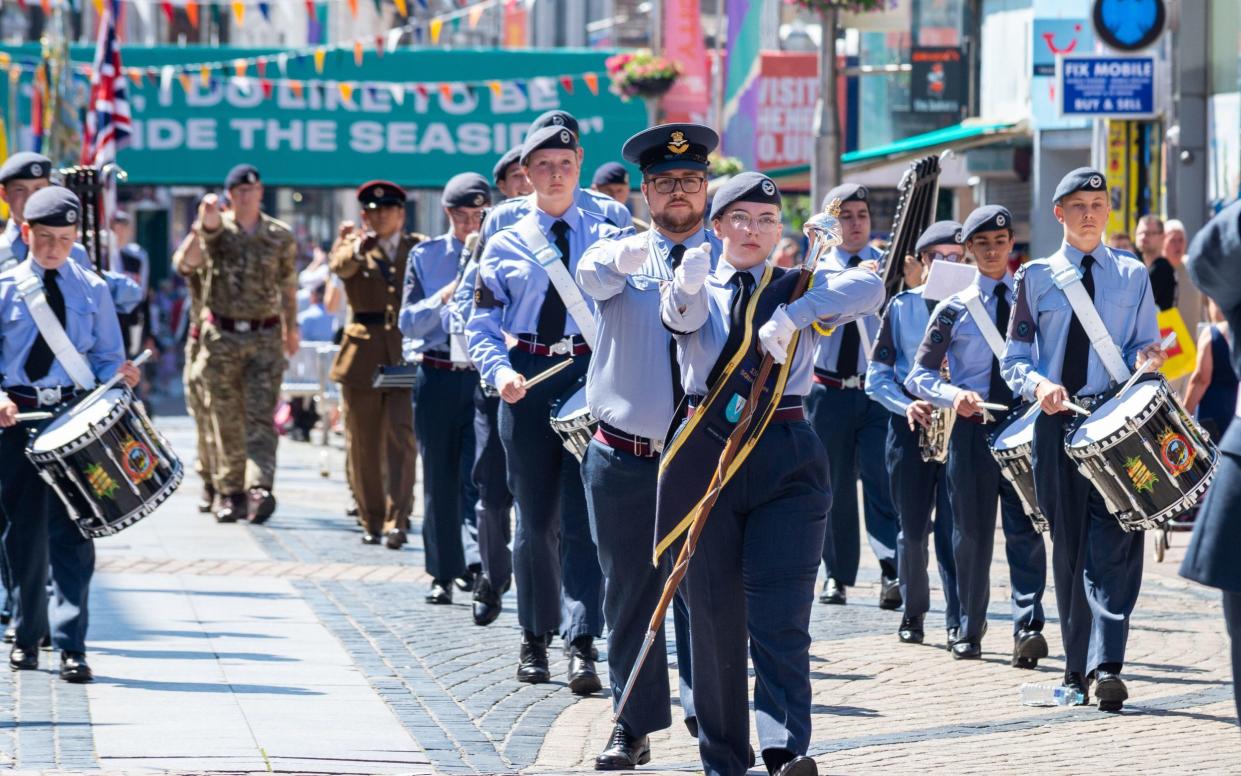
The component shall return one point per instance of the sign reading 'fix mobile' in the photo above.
(1106, 86)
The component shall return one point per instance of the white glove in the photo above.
(775, 334)
(631, 254)
(694, 269)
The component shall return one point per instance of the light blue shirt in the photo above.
(953, 332)
(316, 324)
(511, 210)
(629, 383)
(1041, 315)
(701, 320)
(512, 285)
(126, 293)
(90, 323)
(432, 265)
(828, 348)
(900, 333)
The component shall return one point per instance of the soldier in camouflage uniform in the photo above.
(190, 251)
(249, 298)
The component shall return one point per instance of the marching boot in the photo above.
(1074, 680)
(583, 679)
(394, 539)
(440, 592)
(624, 752)
(1028, 647)
(833, 593)
(233, 507)
(533, 666)
(889, 593)
(73, 668)
(487, 603)
(264, 505)
(1110, 690)
(911, 631)
(23, 658)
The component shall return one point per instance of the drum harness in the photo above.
(548, 257)
(972, 300)
(1069, 280)
(31, 290)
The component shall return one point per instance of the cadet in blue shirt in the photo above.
(1213, 556)
(752, 578)
(514, 294)
(633, 388)
(40, 532)
(918, 486)
(853, 427)
(444, 397)
(1096, 564)
(974, 478)
(589, 200)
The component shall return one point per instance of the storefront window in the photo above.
(1224, 104)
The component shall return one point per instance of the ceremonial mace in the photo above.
(823, 230)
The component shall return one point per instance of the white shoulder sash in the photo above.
(31, 289)
(973, 302)
(548, 257)
(1069, 280)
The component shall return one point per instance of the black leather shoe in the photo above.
(953, 635)
(1077, 681)
(370, 538)
(1110, 691)
(1028, 647)
(889, 594)
(207, 499)
(487, 602)
(911, 631)
(264, 505)
(394, 539)
(73, 668)
(583, 679)
(233, 507)
(440, 592)
(965, 649)
(465, 583)
(798, 766)
(833, 593)
(533, 666)
(24, 658)
(624, 752)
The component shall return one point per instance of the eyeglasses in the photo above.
(666, 185)
(764, 225)
(953, 257)
(466, 216)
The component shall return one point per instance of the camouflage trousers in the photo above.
(196, 405)
(241, 374)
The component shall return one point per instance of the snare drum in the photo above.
(572, 421)
(1012, 445)
(107, 463)
(1148, 459)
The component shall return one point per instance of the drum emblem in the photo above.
(100, 481)
(137, 460)
(1178, 455)
(1140, 475)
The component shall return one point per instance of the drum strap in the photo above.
(548, 257)
(973, 302)
(1069, 280)
(30, 288)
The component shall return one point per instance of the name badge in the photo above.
(546, 255)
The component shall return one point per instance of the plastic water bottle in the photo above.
(1049, 695)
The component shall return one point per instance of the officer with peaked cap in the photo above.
(853, 426)
(751, 582)
(1050, 359)
(40, 532)
(918, 486)
(1213, 556)
(444, 413)
(633, 389)
(974, 478)
(515, 293)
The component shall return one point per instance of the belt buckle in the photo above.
(242, 326)
(658, 446)
(561, 347)
(853, 381)
(48, 396)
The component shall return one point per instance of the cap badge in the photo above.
(71, 216)
(1000, 220)
(769, 188)
(1095, 182)
(379, 191)
(678, 144)
(558, 120)
(36, 170)
(862, 193)
(565, 136)
(478, 200)
(250, 177)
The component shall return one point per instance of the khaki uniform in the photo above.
(195, 393)
(380, 422)
(241, 358)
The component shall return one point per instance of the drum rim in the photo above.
(90, 434)
(1162, 392)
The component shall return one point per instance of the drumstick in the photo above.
(109, 385)
(24, 417)
(549, 372)
(986, 405)
(1147, 365)
(1080, 410)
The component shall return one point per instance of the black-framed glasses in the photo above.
(666, 185)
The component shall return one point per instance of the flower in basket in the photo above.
(641, 74)
(725, 165)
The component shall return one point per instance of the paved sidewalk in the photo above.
(294, 648)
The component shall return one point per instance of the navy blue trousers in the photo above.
(620, 497)
(40, 533)
(555, 563)
(753, 575)
(975, 484)
(917, 486)
(1097, 565)
(1232, 618)
(444, 422)
(854, 432)
(495, 529)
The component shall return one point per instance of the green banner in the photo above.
(393, 118)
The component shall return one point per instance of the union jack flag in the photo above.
(108, 123)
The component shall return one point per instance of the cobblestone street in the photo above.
(294, 648)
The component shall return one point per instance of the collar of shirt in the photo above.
(840, 257)
(724, 272)
(987, 285)
(663, 244)
(389, 245)
(572, 217)
(1101, 254)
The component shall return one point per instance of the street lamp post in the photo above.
(825, 163)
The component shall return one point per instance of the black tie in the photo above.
(1077, 346)
(999, 392)
(552, 314)
(678, 393)
(743, 283)
(40, 359)
(850, 343)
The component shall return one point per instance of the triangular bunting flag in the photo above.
(592, 83)
(296, 88)
(446, 91)
(167, 8)
(346, 91)
(566, 81)
(320, 55)
(191, 11)
(353, 8)
(398, 93)
(476, 13)
(496, 88)
(239, 66)
(358, 54)
(205, 75)
(265, 9)
(379, 46)
(437, 26)
(394, 38)
(260, 65)
(267, 90)
(186, 83)
(402, 8)
(239, 13)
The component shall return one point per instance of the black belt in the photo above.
(243, 324)
(387, 318)
(30, 398)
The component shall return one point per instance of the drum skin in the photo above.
(113, 473)
(572, 421)
(1017, 465)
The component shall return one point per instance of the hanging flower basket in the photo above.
(642, 74)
